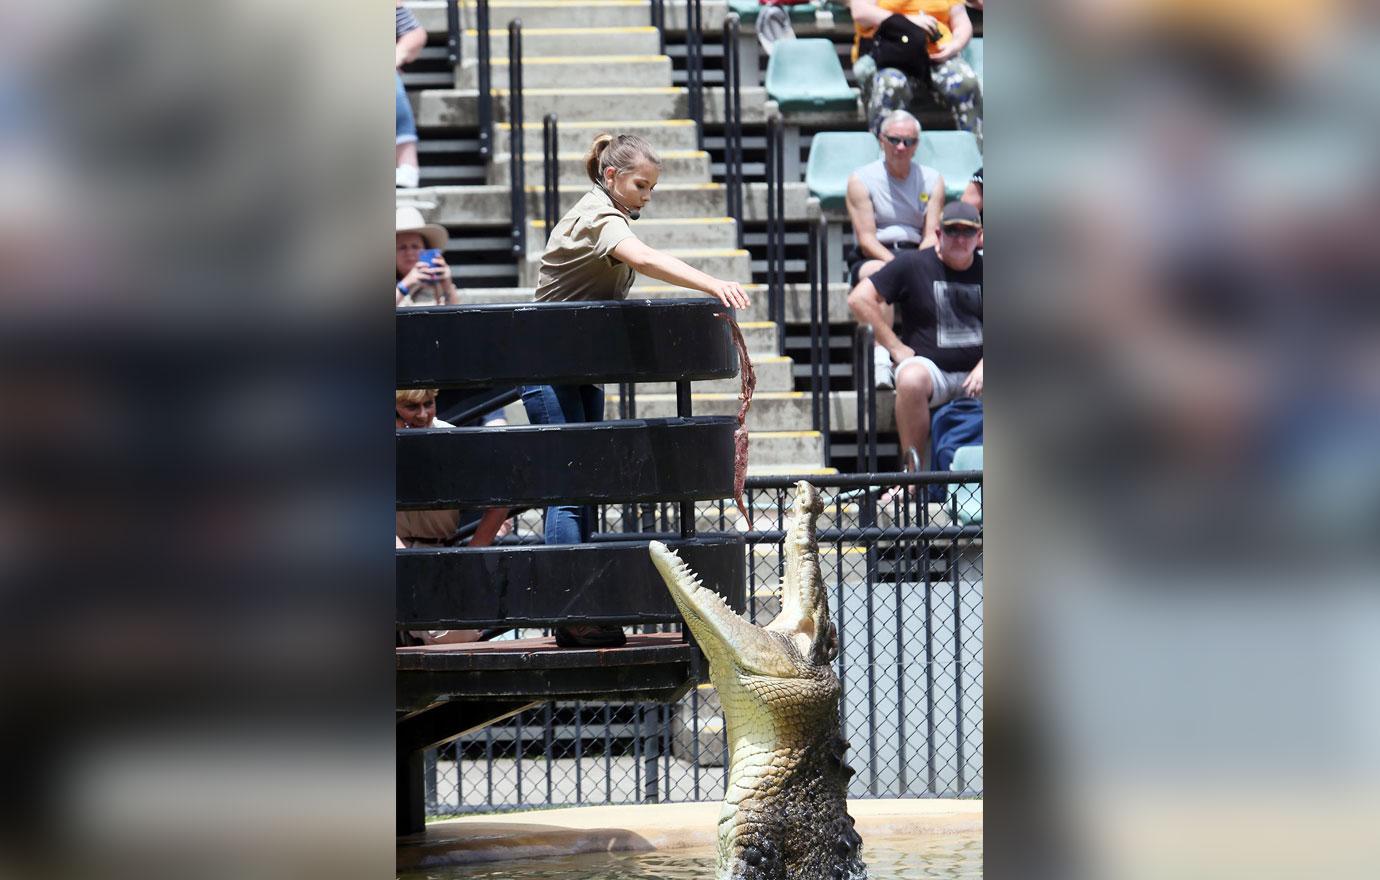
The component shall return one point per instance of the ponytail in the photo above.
(619, 152)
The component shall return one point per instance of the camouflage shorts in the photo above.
(954, 83)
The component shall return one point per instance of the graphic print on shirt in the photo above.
(958, 314)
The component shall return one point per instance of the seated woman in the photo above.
(419, 283)
(593, 254)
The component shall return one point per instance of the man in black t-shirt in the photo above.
(938, 296)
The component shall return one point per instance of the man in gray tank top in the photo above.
(894, 205)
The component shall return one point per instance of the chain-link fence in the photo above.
(904, 570)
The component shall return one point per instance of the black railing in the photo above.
(518, 173)
(694, 67)
(865, 380)
(819, 328)
(551, 172)
(485, 75)
(776, 228)
(659, 22)
(453, 33)
(733, 124)
(906, 596)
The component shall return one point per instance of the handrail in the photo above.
(733, 124)
(865, 380)
(518, 171)
(659, 22)
(694, 68)
(485, 84)
(776, 228)
(453, 49)
(551, 171)
(822, 245)
(812, 276)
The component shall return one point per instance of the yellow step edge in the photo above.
(571, 32)
(522, 4)
(721, 395)
(662, 188)
(674, 221)
(614, 90)
(781, 435)
(756, 324)
(697, 252)
(584, 59)
(573, 155)
(609, 124)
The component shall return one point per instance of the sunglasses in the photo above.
(901, 141)
(957, 231)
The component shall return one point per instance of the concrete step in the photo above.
(541, 13)
(771, 410)
(577, 135)
(711, 232)
(437, 108)
(773, 374)
(680, 166)
(571, 13)
(797, 301)
(728, 263)
(548, 41)
(488, 204)
(555, 71)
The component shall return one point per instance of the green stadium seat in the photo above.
(833, 156)
(953, 154)
(805, 76)
(968, 458)
(972, 53)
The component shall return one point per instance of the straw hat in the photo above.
(410, 219)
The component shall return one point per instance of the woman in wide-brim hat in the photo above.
(421, 284)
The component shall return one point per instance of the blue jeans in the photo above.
(404, 124)
(564, 405)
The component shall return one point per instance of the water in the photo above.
(948, 856)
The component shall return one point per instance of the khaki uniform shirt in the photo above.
(578, 263)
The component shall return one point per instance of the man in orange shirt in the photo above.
(951, 78)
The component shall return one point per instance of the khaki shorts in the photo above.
(944, 387)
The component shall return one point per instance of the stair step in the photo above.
(482, 205)
(682, 166)
(771, 410)
(773, 374)
(576, 135)
(555, 71)
(547, 41)
(797, 300)
(442, 107)
(709, 232)
(573, 13)
(729, 263)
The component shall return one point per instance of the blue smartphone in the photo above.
(428, 257)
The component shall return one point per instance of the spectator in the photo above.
(418, 283)
(408, 42)
(938, 353)
(973, 194)
(945, 24)
(593, 254)
(894, 205)
(774, 22)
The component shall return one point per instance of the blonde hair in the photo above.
(619, 152)
(414, 395)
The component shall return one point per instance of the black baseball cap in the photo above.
(961, 214)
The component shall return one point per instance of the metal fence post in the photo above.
(518, 171)
(486, 95)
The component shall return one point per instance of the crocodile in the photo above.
(785, 811)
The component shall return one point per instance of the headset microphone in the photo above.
(633, 213)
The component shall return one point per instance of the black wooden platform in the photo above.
(445, 691)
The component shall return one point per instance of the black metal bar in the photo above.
(518, 171)
(929, 673)
(608, 754)
(551, 196)
(579, 752)
(687, 508)
(486, 95)
(659, 22)
(694, 56)
(453, 33)
(822, 249)
(780, 159)
(695, 738)
(862, 355)
(859, 533)
(959, 750)
(733, 124)
(487, 405)
(815, 332)
(548, 750)
(517, 756)
(862, 480)
(770, 173)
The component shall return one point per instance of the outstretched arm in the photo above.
(664, 267)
